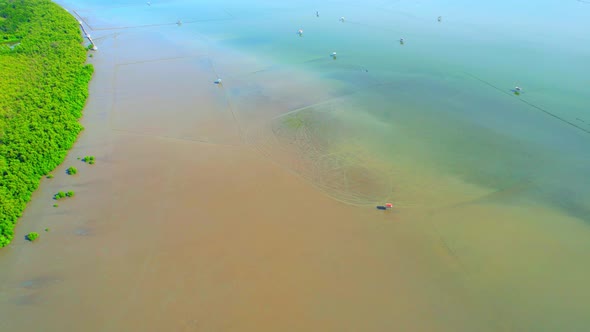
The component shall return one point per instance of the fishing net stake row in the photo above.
(530, 104)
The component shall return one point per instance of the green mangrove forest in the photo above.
(43, 88)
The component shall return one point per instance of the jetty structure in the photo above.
(94, 47)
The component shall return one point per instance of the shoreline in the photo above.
(41, 120)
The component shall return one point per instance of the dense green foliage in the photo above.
(32, 236)
(43, 88)
(72, 170)
(59, 195)
(62, 194)
(88, 159)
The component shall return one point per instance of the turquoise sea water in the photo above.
(442, 98)
(433, 124)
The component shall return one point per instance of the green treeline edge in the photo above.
(43, 89)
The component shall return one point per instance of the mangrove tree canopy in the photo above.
(43, 88)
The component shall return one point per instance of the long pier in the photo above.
(94, 47)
